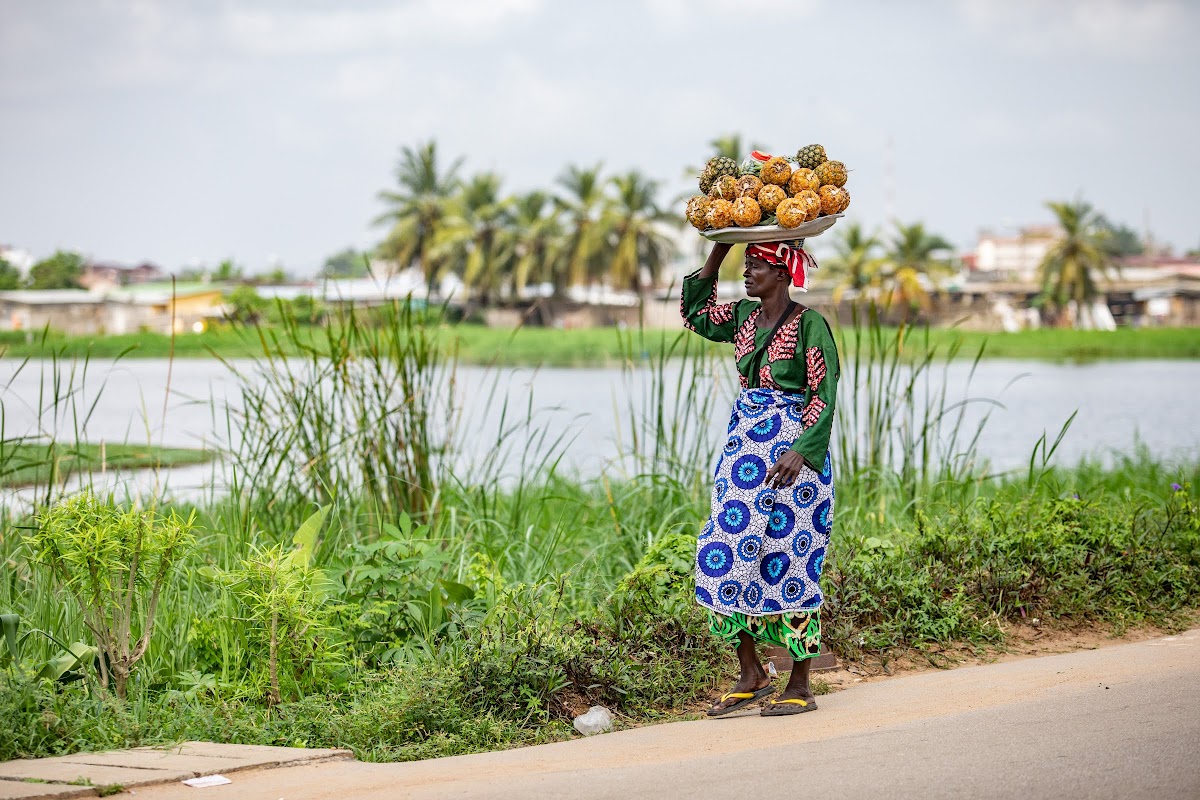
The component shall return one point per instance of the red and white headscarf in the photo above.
(795, 260)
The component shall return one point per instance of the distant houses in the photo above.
(148, 307)
(1013, 257)
(999, 285)
(99, 276)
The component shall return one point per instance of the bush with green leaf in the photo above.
(114, 562)
(400, 588)
(288, 606)
(68, 663)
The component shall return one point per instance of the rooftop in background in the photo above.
(1025, 234)
(407, 283)
(146, 294)
(1161, 262)
(50, 297)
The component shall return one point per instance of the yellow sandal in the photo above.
(743, 699)
(786, 708)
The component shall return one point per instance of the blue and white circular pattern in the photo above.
(762, 551)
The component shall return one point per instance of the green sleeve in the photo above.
(822, 370)
(702, 313)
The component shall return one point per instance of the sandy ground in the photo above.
(1023, 641)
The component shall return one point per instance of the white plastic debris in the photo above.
(598, 719)
(207, 780)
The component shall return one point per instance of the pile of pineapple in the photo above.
(769, 190)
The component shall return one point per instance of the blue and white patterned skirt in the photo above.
(762, 549)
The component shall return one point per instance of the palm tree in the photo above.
(472, 235)
(416, 211)
(534, 245)
(1070, 269)
(855, 262)
(635, 226)
(910, 263)
(581, 207)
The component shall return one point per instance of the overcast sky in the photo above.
(185, 131)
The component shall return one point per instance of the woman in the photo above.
(760, 554)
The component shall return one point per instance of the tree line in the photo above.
(587, 229)
(902, 268)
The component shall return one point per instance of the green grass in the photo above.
(581, 594)
(455, 607)
(35, 463)
(602, 346)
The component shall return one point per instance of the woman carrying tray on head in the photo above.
(760, 553)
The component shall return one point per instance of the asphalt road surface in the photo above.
(1118, 722)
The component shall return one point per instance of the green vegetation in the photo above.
(10, 276)
(37, 463)
(363, 584)
(1073, 268)
(590, 347)
(62, 270)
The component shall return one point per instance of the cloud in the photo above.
(751, 11)
(1119, 29)
(292, 31)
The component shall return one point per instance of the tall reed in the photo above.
(896, 422)
(366, 408)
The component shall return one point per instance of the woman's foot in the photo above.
(746, 691)
(752, 684)
(797, 696)
(793, 700)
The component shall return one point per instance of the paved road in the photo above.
(1119, 722)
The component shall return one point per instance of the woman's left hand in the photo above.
(785, 471)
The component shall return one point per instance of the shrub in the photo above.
(285, 598)
(114, 562)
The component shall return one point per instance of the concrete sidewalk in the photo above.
(1116, 722)
(52, 777)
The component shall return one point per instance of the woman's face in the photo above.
(762, 278)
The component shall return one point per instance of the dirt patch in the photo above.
(1022, 640)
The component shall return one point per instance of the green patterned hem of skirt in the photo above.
(798, 633)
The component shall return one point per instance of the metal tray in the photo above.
(771, 233)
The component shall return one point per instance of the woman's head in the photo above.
(763, 278)
(769, 268)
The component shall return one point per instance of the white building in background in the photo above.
(1014, 257)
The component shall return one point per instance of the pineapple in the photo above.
(714, 169)
(832, 173)
(697, 208)
(751, 166)
(845, 200)
(803, 178)
(810, 201)
(791, 212)
(770, 196)
(748, 185)
(834, 199)
(811, 156)
(724, 187)
(719, 214)
(776, 171)
(746, 211)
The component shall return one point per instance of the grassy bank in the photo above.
(598, 346)
(540, 625)
(36, 463)
(362, 585)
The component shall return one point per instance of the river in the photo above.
(1120, 405)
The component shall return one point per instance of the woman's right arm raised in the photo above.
(698, 301)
